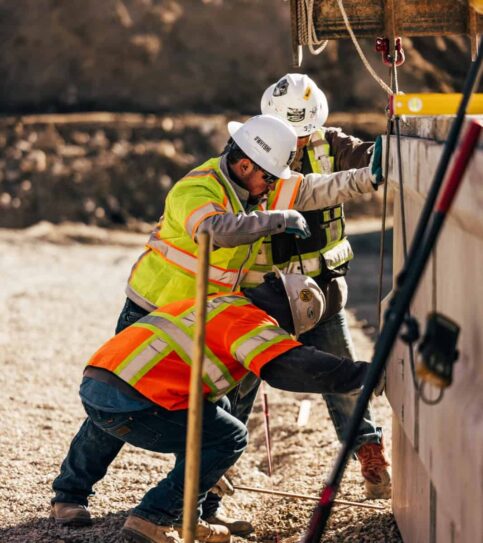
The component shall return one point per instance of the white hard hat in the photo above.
(307, 301)
(297, 99)
(268, 141)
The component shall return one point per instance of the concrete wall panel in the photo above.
(438, 450)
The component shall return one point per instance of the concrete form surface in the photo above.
(438, 450)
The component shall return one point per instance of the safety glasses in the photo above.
(269, 178)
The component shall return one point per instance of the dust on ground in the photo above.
(62, 289)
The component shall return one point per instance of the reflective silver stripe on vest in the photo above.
(142, 358)
(253, 278)
(262, 256)
(189, 262)
(189, 319)
(311, 265)
(339, 254)
(201, 213)
(185, 345)
(286, 193)
(321, 151)
(244, 349)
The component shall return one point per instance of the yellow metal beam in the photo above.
(434, 104)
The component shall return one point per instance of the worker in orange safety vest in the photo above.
(136, 389)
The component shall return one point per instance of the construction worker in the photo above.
(136, 387)
(324, 256)
(240, 197)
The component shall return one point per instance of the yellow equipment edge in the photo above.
(434, 104)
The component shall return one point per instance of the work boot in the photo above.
(236, 527)
(211, 533)
(377, 480)
(139, 530)
(70, 514)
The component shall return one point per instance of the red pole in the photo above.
(266, 424)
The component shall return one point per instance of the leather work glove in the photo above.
(223, 487)
(375, 163)
(296, 224)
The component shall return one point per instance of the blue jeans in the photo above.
(156, 429)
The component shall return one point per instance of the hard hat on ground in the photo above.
(294, 300)
(267, 140)
(297, 99)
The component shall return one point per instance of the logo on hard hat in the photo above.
(262, 144)
(295, 115)
(307, 93)
(281, 88)
(311, 314)
(290, 158)
(306, 295)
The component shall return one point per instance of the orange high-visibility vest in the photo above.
(153, 355)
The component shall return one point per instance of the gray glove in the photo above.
(296, 224)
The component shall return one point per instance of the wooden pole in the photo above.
(304, 496)
(195, 407)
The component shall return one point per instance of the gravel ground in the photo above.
(61, 290)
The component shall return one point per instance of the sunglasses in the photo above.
(269, 178)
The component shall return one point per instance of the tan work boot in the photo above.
(211, 533)
(236, 527)
(138, 530)
(377, 480)
(70, 514)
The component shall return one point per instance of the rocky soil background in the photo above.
(61, 293)
(114, 170)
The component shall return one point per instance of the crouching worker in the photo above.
(136, 389)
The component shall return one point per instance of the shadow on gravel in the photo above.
(376, 528)
(104, 530)
(363, 276)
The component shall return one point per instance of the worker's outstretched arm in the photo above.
(230, 230)
(323, 190)
(306, 369)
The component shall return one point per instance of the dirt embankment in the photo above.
(113, 169)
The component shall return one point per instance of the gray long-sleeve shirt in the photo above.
(316, 191)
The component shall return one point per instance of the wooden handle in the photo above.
(195, 406)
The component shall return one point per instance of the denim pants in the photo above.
(156, 429)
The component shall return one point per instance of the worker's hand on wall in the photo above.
(376, 163)
(296, 224)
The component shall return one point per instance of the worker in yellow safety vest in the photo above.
(227, 196)
(324, 255)
(136, 388)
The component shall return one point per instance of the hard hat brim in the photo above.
(233, 127)
(281, 276)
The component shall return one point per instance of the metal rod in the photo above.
(266, 424)
(195, 407)
(303, 496)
